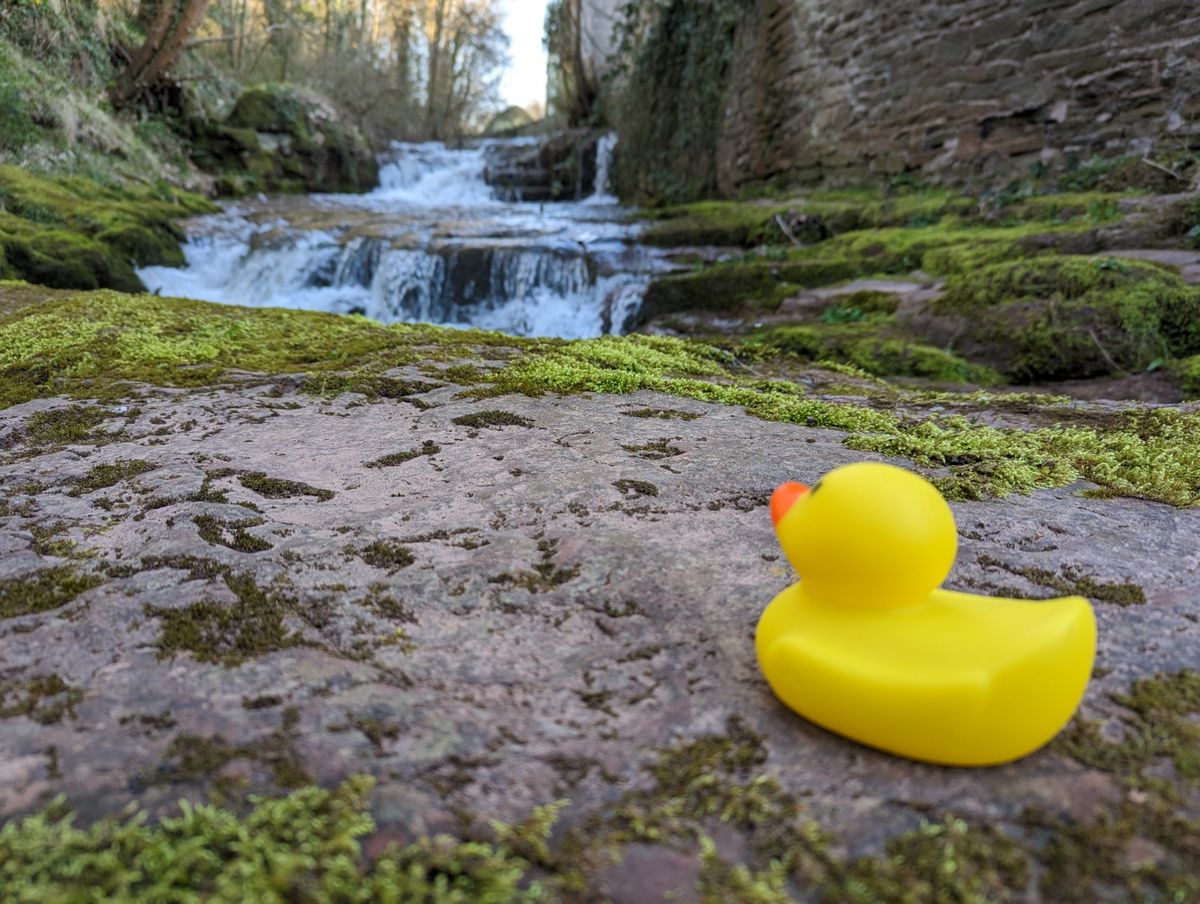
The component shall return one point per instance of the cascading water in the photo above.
(431, 244)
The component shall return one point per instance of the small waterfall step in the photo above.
(562, 167)
(435, 244)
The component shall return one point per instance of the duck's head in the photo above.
(866, 534)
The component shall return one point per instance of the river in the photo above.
(431, 244)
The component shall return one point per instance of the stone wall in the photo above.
(840, 89)
(828, 86)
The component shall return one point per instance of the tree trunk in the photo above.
(172, 48)
(158, 24)
(433, 86)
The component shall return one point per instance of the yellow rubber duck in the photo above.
(865, 644)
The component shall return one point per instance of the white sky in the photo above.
(525, 80)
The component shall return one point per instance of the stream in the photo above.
(431, 244)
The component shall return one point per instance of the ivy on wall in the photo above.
(666, 95)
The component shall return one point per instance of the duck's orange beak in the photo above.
(784, 498)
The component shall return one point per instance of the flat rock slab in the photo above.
(526, 602)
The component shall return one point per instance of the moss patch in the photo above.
(544, 576)
(942, 862)
(231, 534)
(65, 343)
(398, 458)
(390, 555)
(225, 633)
(1161, 724)
(193, 758)
(43, 590)
(1072, 581)
(493, 420)
(73, 425)
(872, 351)
(1066, 317)
(277, 488)
(305, 847)
(44, 698)
(103, 476)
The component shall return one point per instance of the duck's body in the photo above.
(958, 679)
(894, 663)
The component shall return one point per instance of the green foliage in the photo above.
(669, 103)
(302, 848)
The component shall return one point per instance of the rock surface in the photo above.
(490, 606)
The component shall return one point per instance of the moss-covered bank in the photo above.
(75, 233)
(99, 345)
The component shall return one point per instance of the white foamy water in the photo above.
(431, 244)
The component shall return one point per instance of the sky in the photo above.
(525, 80)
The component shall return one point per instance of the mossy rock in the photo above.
(877, 351)
(272, 108)
(74, 233)
(758, 283)
(283, 139)
(1066, 317)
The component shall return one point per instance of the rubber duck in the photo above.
(867, 646)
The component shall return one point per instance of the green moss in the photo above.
(1187, 373)
(74, 425)
(946, 862)
(191, 758)
(263, 701)
(655, 450)
(818, 216)
(66, 344)
(231, 534)
(544, 576)
(873, 351)
(373, 386)
(636, 488)
(323, 154)
(398, 458)
(1072, 581)
(663, 414)
(492, 419)
(1152, 454)
(761, 285)
(224, 633)
(277, 488)
(94, 344)
(1161, 724)
(390, 555)
(71, 232)
(103, 476)
(43, 590)
(305, 847)
(43, 698)
(1066, 317)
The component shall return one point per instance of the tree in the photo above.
(168, 25)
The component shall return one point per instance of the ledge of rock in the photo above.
(493, 605)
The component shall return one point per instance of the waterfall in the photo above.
(606, 149)
(431, 244)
